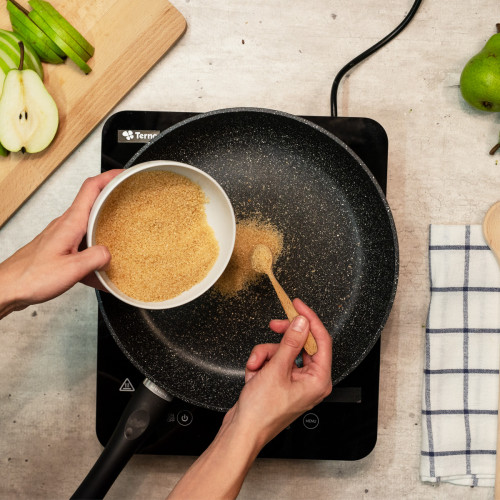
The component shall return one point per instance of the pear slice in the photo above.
(53, 18)
(7, 59)
(5, 65)
(3, 151)
(28, 114)
(38, 42)
(58, 35)
(11, 40)
(62, 44)
(10, 55)
(28, 29)
(45, 53)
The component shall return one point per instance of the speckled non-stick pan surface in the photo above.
(340, 257)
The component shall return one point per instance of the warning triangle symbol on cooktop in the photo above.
(127, 386)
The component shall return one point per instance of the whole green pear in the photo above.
(480, 78)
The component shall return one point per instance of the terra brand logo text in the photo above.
(137, 135)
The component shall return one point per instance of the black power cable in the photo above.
(369, 52)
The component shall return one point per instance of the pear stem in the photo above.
(21, 56)
(494, 149)
(498, 27)
(20, 7)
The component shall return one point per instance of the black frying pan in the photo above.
(341, 258)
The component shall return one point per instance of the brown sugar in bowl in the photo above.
(196, 212)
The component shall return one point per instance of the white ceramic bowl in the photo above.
(220, 217)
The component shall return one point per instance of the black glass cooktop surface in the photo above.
(342, 427)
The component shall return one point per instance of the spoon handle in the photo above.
(310, 346)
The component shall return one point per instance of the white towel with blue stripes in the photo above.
(462, 359)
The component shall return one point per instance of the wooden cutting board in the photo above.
(129, 37)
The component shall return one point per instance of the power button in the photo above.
(184, 418)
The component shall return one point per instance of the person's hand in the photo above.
(276, 390)
(52, 263)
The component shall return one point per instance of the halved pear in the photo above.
(76, 57)
(28, 114)
(3, 151)
(45, 47)
(55, 19)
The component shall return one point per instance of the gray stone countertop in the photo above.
(279, 55)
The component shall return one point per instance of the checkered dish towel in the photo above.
(462, 358)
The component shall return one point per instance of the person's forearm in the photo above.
(6, 308)
(8, 300)
(220, 471)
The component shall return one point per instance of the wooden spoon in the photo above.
(262, 262)
(491, 231)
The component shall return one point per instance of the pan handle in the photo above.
(144, 410)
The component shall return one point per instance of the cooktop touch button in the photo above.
(184, 417)
(310, 420)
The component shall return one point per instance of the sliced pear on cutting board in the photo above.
(58, 22)
(21, 23)
(62, 40)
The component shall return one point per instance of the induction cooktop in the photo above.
(342, 427)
